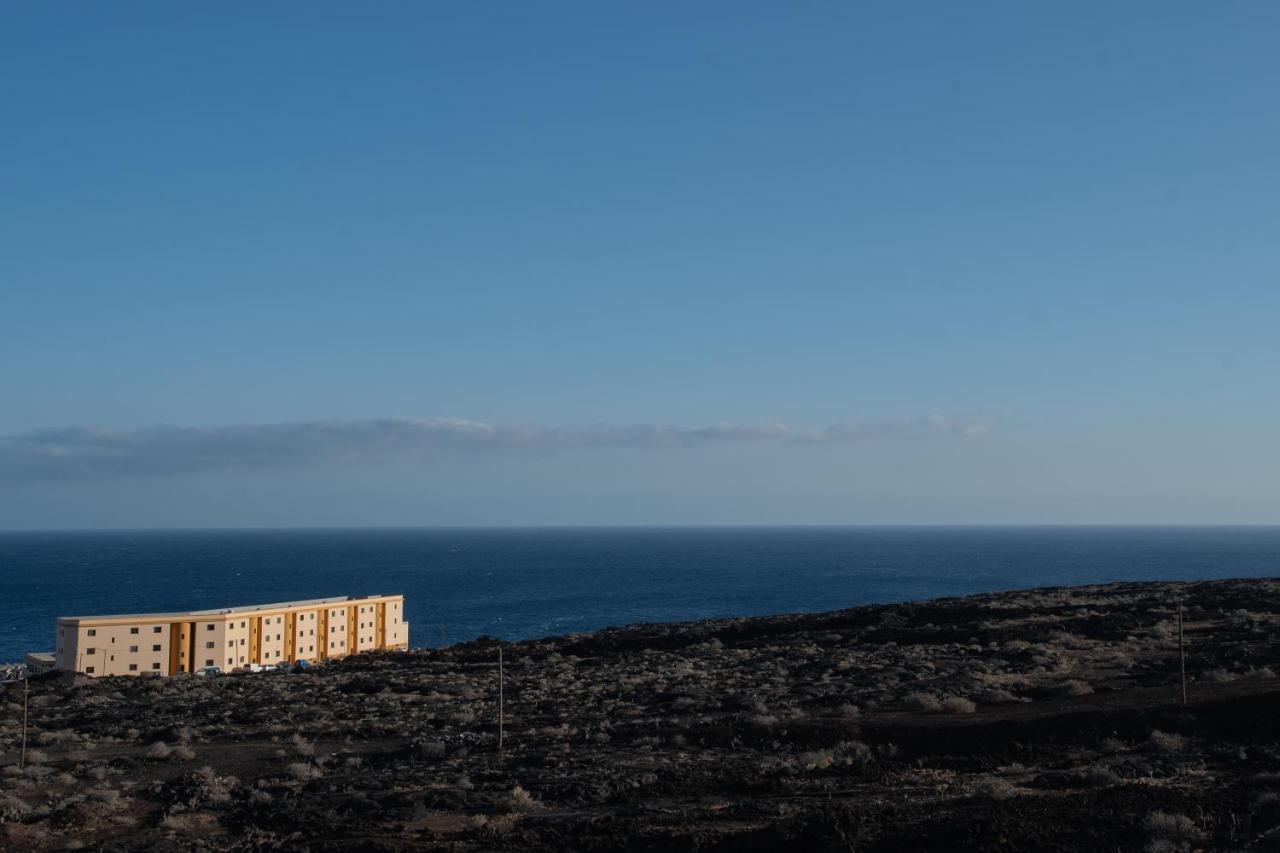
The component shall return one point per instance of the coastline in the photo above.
(1047, 719)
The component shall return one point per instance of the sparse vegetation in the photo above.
(895, 717)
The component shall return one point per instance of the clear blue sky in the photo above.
(1058, 221)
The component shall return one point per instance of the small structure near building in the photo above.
(230, 639)
(38, 662)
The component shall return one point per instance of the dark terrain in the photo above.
(1039, 720)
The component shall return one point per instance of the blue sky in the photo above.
(1053, 221)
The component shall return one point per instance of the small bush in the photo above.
(302, 771)
(1073, 687)
(1217, 676)
(521, 800)
(925, 703)
(958, 705)
(159, 750)
(1166, 742)
(1171, 833)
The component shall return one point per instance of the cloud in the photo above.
(88, 453)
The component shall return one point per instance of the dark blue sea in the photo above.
(520, 583)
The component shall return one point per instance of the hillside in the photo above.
(1038, 720)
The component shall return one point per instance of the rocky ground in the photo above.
(1040, 720)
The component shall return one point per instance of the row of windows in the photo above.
(94, 651)
(93, 632)
(279, 620)
(133, 667)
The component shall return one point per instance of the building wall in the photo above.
(306, 634)
(129, 648)
(336, 640)
(395, 629)
(167, 644)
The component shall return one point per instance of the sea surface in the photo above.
(521, 583)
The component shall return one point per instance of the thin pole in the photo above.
(501, 698)
(1182, 655)
(22, 756)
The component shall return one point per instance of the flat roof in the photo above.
(222, 611)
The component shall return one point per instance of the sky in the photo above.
(663, 263)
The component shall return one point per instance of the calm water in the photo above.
(514, 583)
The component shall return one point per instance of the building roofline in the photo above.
(223, 611)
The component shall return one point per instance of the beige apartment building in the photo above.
(171, 643)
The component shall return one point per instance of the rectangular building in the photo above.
(170, 643)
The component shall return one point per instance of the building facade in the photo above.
(171, 643)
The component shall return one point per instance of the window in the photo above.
(230, 661)
(156, 648)
(155, 666)
(277, 636)
(231, 644)
(89, 670)
(90, 651)
(208, 662)
(156, 630)
(209, 626)
(133, 667)
(242, 641)
(133, 648)
(242, 624)
(93, 632)
(133, 630)
(209, 645)
(311, 648)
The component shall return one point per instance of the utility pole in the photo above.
(22, 755)
(501, 698)
(1182, 655)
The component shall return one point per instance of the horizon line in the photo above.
(647, 526)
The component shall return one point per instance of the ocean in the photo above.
(520, 583)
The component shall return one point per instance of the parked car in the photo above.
(209, 671)
(301, 666)
(257, 667)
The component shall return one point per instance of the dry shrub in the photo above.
(302, 746)
(925, 703)
(303, 771)
(1171, 833)
(1073, 687)
(1217, 676)
(816, 760)
(1166, 742)
(958, 705)
(521, 800)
